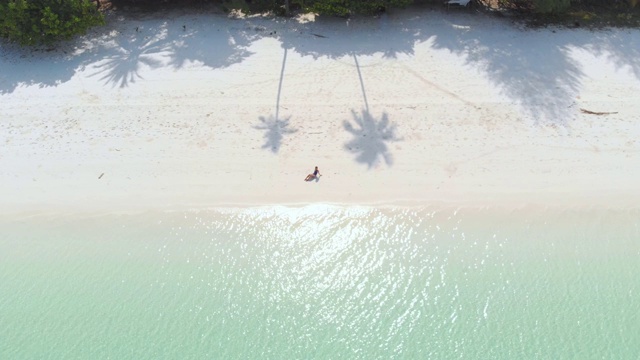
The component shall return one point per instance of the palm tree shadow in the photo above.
(124, 67)
(275, 130)
(370, 138)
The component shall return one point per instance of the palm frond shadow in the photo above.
(124, 67)
(370, 138)
(274, 131)
(164, 43)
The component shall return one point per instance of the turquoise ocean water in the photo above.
(322, 282)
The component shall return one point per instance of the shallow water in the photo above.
(322, 282)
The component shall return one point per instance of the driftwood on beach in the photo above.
(597, 112)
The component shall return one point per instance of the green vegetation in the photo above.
(32, 22)
(583, 13)
(551, 6)
(531, 8)
(347, 7)
(341, 8)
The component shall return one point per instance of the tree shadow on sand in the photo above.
(370, 138)
(120, 52)
(275, 130)
(123, 67)
(536, 71)
(40, 67)
(173, 43)
(211, 44)
(336, 38)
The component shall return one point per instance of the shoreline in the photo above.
(405, 109)
(508, 205)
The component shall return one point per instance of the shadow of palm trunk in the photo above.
(274, 128)
(364, 93)
(370, 137)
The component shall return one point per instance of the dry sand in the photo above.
(429, 109)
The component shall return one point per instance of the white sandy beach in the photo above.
(426, 108)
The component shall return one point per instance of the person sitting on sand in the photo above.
(316, 174)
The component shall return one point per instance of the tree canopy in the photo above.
(32, 22)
